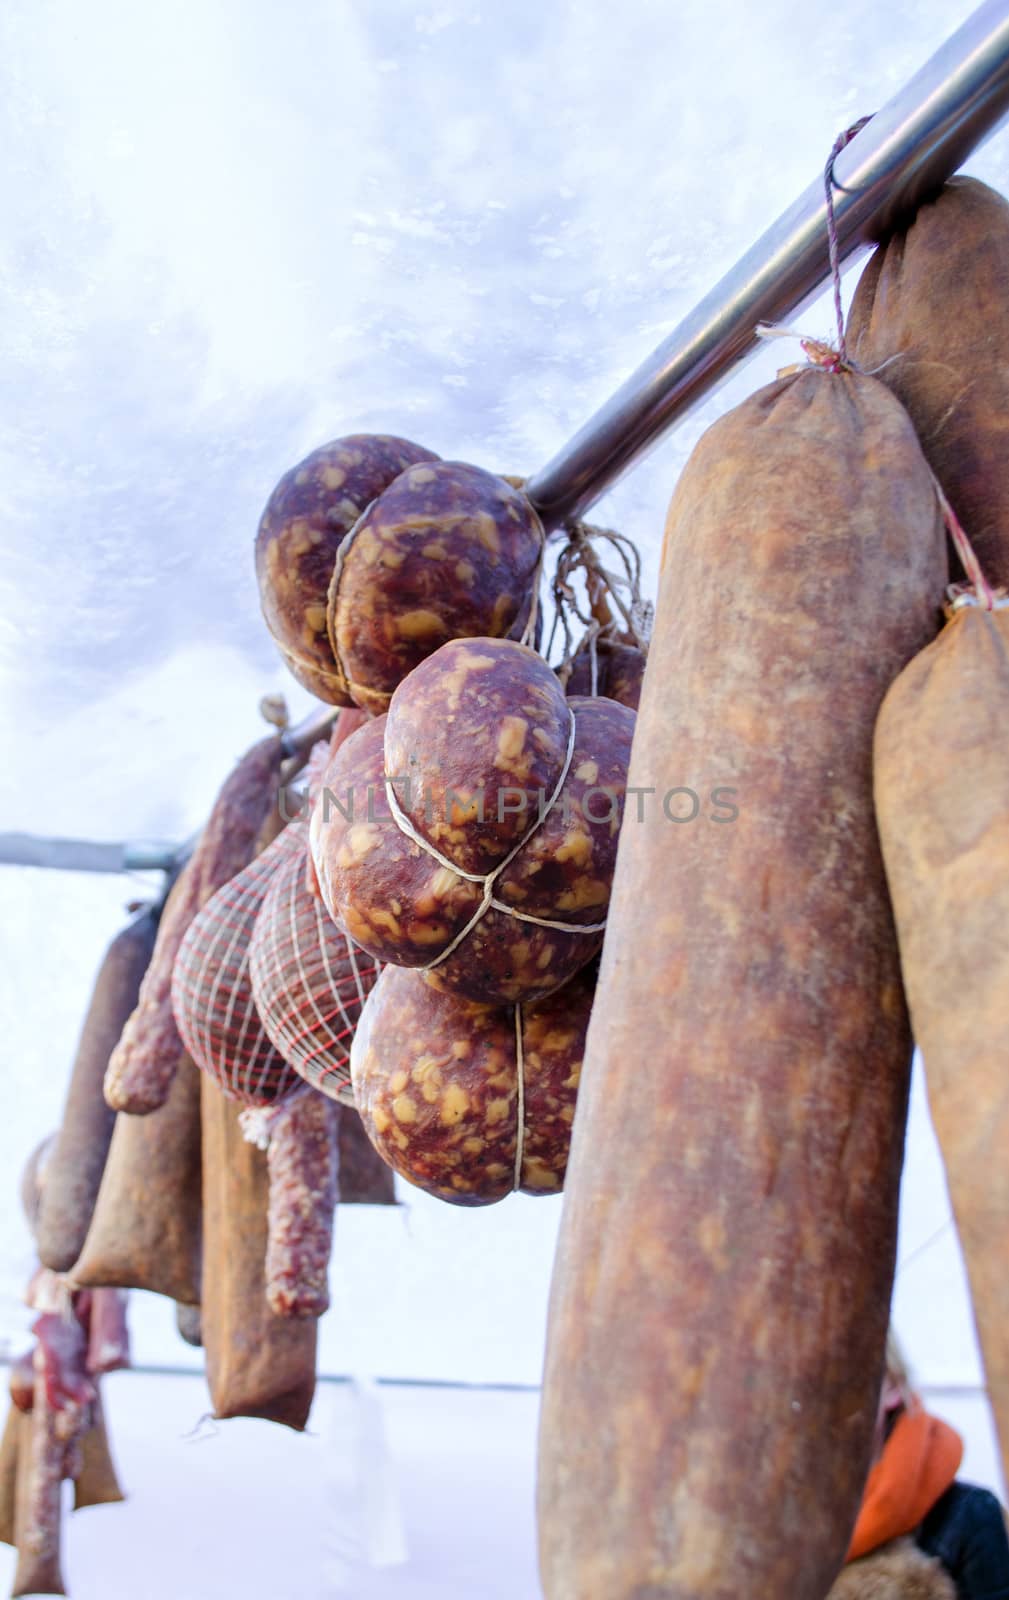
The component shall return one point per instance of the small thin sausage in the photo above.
(302, 1160)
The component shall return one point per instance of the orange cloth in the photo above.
(918, 1464)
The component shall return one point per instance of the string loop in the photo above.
(488, 901)
(830, 183)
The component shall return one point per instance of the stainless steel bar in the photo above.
(908, 149)
(75, 855)
(88, 855)
(142, 856)
(315, 726)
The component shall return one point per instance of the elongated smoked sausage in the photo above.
(722, 1284)
(931, 312)
(258, 1364)
(302, 1161)
(942, 799)
(74, 1166)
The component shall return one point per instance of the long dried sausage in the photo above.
(722, 1285)
(258, 1364)
(942, 800)
(930, 313)
(74, 1167)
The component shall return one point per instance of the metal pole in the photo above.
(304, 734)
(907, 151)
(85, 855)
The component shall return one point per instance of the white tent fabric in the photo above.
(232, 231)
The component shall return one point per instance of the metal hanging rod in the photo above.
(88, 855)
(905, 153)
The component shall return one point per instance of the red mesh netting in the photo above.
(211, 988)
(309, 980)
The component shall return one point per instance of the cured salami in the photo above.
(469, 1101)
(722, 1284)
(307, 517)
(942, 800)
(258, 1364)
(75, 1164)
(473, 831)
(447, 551)
(930, 317)
(302, 1159)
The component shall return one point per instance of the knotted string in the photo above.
(528, 635)
(977, 591)
(830, 183)
(603, 584)
(487, 880)
(817, 351)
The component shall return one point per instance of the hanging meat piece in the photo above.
(302, 1159)
(258, 1364)
(146, 1230)
(74, 1166)
(307, 518)
(722, 1283)
(144, 1062)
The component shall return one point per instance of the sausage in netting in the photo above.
(144, 1061)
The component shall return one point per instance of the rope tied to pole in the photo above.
(830, 183)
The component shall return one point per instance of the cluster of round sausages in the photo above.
(464, 838)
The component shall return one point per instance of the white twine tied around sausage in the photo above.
(977, 591)
(528, 634)
(489, 902)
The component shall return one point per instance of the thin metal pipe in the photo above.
(138, 855)
(311, 728)
(84, 855)
(907, 151)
